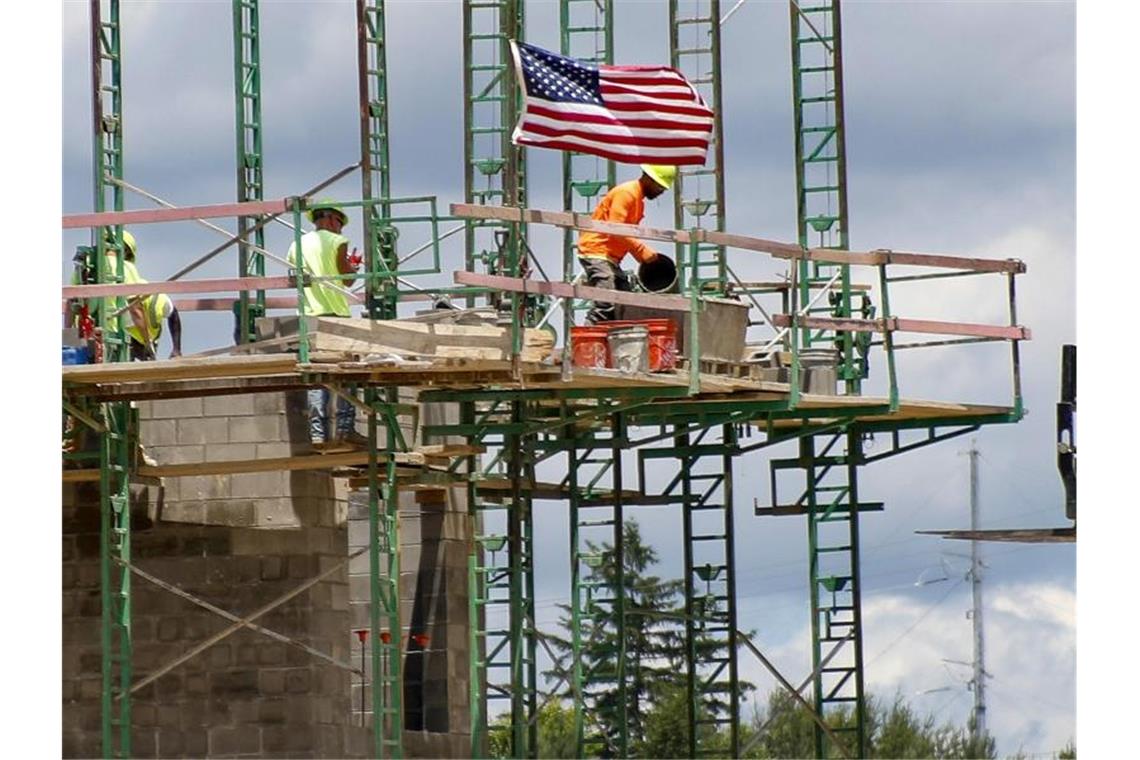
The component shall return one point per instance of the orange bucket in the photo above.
(662, 344)
(589, 347)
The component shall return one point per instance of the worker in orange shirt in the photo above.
(601, 254)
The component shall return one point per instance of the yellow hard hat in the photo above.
(663, 175)
(128, 241)
(326, 205)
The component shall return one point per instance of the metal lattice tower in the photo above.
(250, 186)
(500, 569)
(698, 195)
(375, 174)
(830, 493)
(704, 483)
(115, 435)
(587, 33)
(594, 482)
(494, 170)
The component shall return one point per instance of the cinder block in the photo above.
(272, 681)
(181, 455)
(358, 533)
(230, 512)
(278, 450)
(226, 740)
(158, 432)
(276, 513)
(245, 654)
(196, 684)
(204, 487)
(187, 512)
(228, 406)
(230, 452)
(259, 485)
(195, 742)
(191, 714)
(271, 403)
(202, 431)
(271, 654)
(175, 408)
(144, 743)
(257, 429)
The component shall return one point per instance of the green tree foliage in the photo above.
(894, 730)
(652, 641)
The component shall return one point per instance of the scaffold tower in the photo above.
(671, 441)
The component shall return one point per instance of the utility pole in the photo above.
(976, 614)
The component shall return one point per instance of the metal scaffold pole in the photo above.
(375, 175)
(587, 32)
(116, 435)
(703, 486)
(830, 491)
(384, 575)
(694, 50)
(250, 186)
(494, 170)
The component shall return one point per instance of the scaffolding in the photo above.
(699, 421)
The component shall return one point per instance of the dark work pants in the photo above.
(603, 273)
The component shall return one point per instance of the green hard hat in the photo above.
(326, 205)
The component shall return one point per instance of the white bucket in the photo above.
(629, 349)
(819, 371)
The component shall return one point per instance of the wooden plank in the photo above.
(180, 369)
(185, 213)
(274, 464)
(745, 242)
(404, 337)
(179, 286)
(1011, 266)
(566, 290)
(227, 304)
(571, 220)
(900, 324)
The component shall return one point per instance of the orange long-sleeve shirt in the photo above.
(625, 203)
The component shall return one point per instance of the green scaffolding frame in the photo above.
(590, 426)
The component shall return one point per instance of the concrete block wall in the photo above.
(239, 542)
(246, 696)
(434, 537)
(238, 427)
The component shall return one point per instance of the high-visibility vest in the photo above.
(155, 306)
(319, 254)
(110, 266)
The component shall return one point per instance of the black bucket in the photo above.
(659, 275)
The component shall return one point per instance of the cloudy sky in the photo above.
(961, 139)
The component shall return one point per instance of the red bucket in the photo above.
(590, 348)
(662, 344)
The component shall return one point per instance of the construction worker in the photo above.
(147, 314)
(324, 252)
(601, 254)
(85, 274)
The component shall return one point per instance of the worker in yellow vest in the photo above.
(85, 274)
(601, 253)
(147, 314)
(324, 253)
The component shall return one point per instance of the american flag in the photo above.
(631, 114)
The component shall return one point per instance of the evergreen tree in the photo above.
(652, 638)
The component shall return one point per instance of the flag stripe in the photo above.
(659, 111)
(666, 93)
(599, 116)
(616, 139)
(682, 157)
